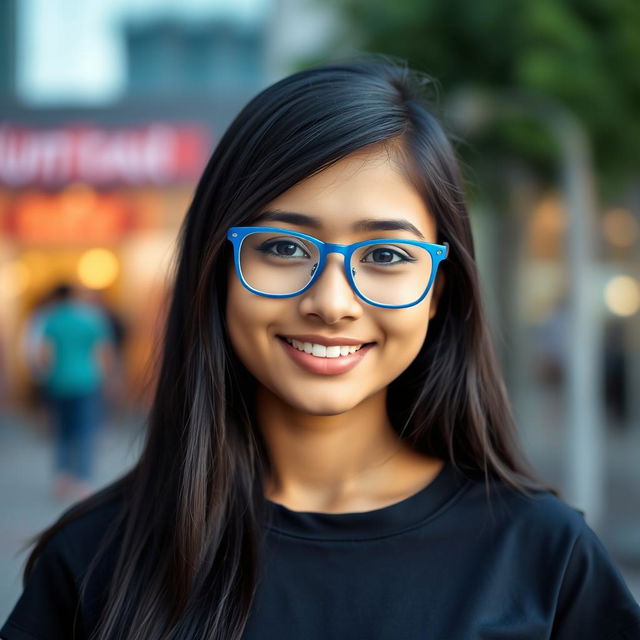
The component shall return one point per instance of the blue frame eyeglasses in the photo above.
(237, 235)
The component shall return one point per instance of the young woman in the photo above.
(331, 452)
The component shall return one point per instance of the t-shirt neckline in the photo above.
(393, 518)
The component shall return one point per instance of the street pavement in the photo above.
(26, 505)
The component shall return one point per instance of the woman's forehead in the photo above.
(354, 195)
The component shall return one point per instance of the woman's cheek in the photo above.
(406, 345)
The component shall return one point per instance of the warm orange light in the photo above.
(98, 268)
(546, 229)
(77, 200)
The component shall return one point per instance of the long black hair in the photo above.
(193, 506)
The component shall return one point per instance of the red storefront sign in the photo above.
(157, 153)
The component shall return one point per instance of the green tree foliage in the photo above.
(584, 54)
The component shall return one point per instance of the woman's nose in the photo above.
(331, 295)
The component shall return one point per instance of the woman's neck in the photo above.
(353, 461)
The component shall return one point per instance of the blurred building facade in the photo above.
(96, 195)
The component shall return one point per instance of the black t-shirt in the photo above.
(443, 564)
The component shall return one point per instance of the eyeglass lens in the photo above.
(391, 273)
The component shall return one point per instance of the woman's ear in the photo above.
(438, 288)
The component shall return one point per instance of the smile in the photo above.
(329, 361)
(321, 351)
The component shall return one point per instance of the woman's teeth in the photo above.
(321, 351)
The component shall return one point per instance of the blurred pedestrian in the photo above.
(75, 352)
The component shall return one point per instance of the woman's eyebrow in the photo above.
(367, 224)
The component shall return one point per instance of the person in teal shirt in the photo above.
(76, 345)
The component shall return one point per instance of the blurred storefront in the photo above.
(95, 194)
(98, 206)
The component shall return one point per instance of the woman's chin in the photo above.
(321, 407)
(317, 402)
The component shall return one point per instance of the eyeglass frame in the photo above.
(236, 236)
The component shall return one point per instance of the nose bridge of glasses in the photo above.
(329, 256)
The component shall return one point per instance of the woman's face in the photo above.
(364, 185)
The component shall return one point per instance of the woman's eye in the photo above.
(284, 248)
(386, 256)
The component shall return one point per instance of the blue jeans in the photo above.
(76, 420)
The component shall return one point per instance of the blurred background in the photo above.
(109, 110)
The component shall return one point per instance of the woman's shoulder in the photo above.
(544, 509)
(531, 513)
(548, 537)
(593, 599)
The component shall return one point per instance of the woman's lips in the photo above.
(325, 366)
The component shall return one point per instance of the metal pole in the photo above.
(585, 436)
